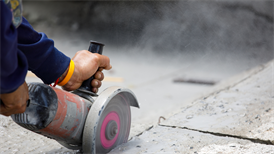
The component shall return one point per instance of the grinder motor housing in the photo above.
(56, 114)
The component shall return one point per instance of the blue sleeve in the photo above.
(13, 64)
(24, 48)
(44, 59)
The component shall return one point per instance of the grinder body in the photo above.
(92, 126)
(56, 114)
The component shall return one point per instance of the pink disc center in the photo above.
(105, 142)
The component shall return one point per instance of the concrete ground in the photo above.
(236, 116)
(210, 44)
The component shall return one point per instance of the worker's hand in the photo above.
(15, 102)
(86, 65)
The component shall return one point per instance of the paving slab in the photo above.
(17, 140)
(245, 109)
(234, 117)
(168, 140)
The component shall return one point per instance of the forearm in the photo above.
(13, 72)
(44, 60)
(13, 63)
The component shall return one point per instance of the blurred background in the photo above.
(155, 47)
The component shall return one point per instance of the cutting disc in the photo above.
(108, 122)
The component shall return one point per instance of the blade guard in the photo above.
(97, 108)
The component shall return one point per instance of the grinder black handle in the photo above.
(94, 47)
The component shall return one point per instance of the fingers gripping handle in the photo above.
(94, 47)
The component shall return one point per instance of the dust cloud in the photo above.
(178, 26)
(236, 33)
(166, 26)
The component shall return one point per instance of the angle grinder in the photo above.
(80, 120)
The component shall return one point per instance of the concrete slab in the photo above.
(150, 73)
(238, 107)
(237, 118)
(244, 109)
(176, 140)
(17, 140)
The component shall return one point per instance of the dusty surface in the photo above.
(209, 41)
(245, 109)
(237, 148)
(173, 140)
(15, 139)
(236, 118)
